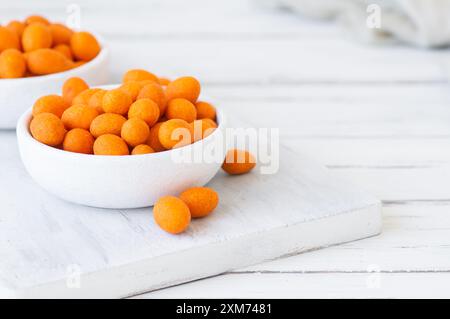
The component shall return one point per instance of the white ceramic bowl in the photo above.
(116, 181)
(17, 95)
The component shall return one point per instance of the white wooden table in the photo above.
(378, 116)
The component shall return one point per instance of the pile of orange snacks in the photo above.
(37, 46)
(138, 117)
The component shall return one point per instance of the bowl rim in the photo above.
(104, 52)
(24, 136)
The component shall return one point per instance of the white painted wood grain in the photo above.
(331, 119)
(240, 37)
(415, 238)
(320, 285)
(375, 152)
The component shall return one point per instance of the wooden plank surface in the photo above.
(376, 115)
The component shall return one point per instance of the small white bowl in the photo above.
(116, 181)
(17, 95)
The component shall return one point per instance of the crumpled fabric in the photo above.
(424, 23)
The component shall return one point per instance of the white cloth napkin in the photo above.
(424, 23)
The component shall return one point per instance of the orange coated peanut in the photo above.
(139, 75)
(50, 104)
(142, 149)
(107, 123)
(47, 128)
(84, 46)
(135, 131)
(79, 116)
(36, 19)
(205, 110)
(8, 39)
(200, 200)
(146, 110)
(47, 61)
(172, 214)
(186, 87)
(72, 87)
(174, 133)
(238, 162)
(79, 141)
(154, 92)
(110, 144)
(181, 109)
(12, 64)
(60, 34)
(36, 36)
(116, 101)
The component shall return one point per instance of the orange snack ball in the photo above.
(110, 144)
(36, 19)
(181, 109)
(79, 141)
(84, 46)
(172, 214)
(139, 75)
(47, 61)
(200, 200)
(146, 110)
(8, 39)
(202, 128)
(185, 87)
(107, 123)
(72, 87)
(36, 36)
(154, 92)
(79, 116)
(54, 104)
(116, 101)
(238, 162)
(96, 100)
(153, 139)
(163, 81)
(142, 149)
(64, 49)
(12, 64)
(47, 128)
(85, 96)
(135, 131)
(174, 133)
(17, 27)
(60, 33)
(205, 110)
(132, 88)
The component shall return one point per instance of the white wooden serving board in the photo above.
(51, 248)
